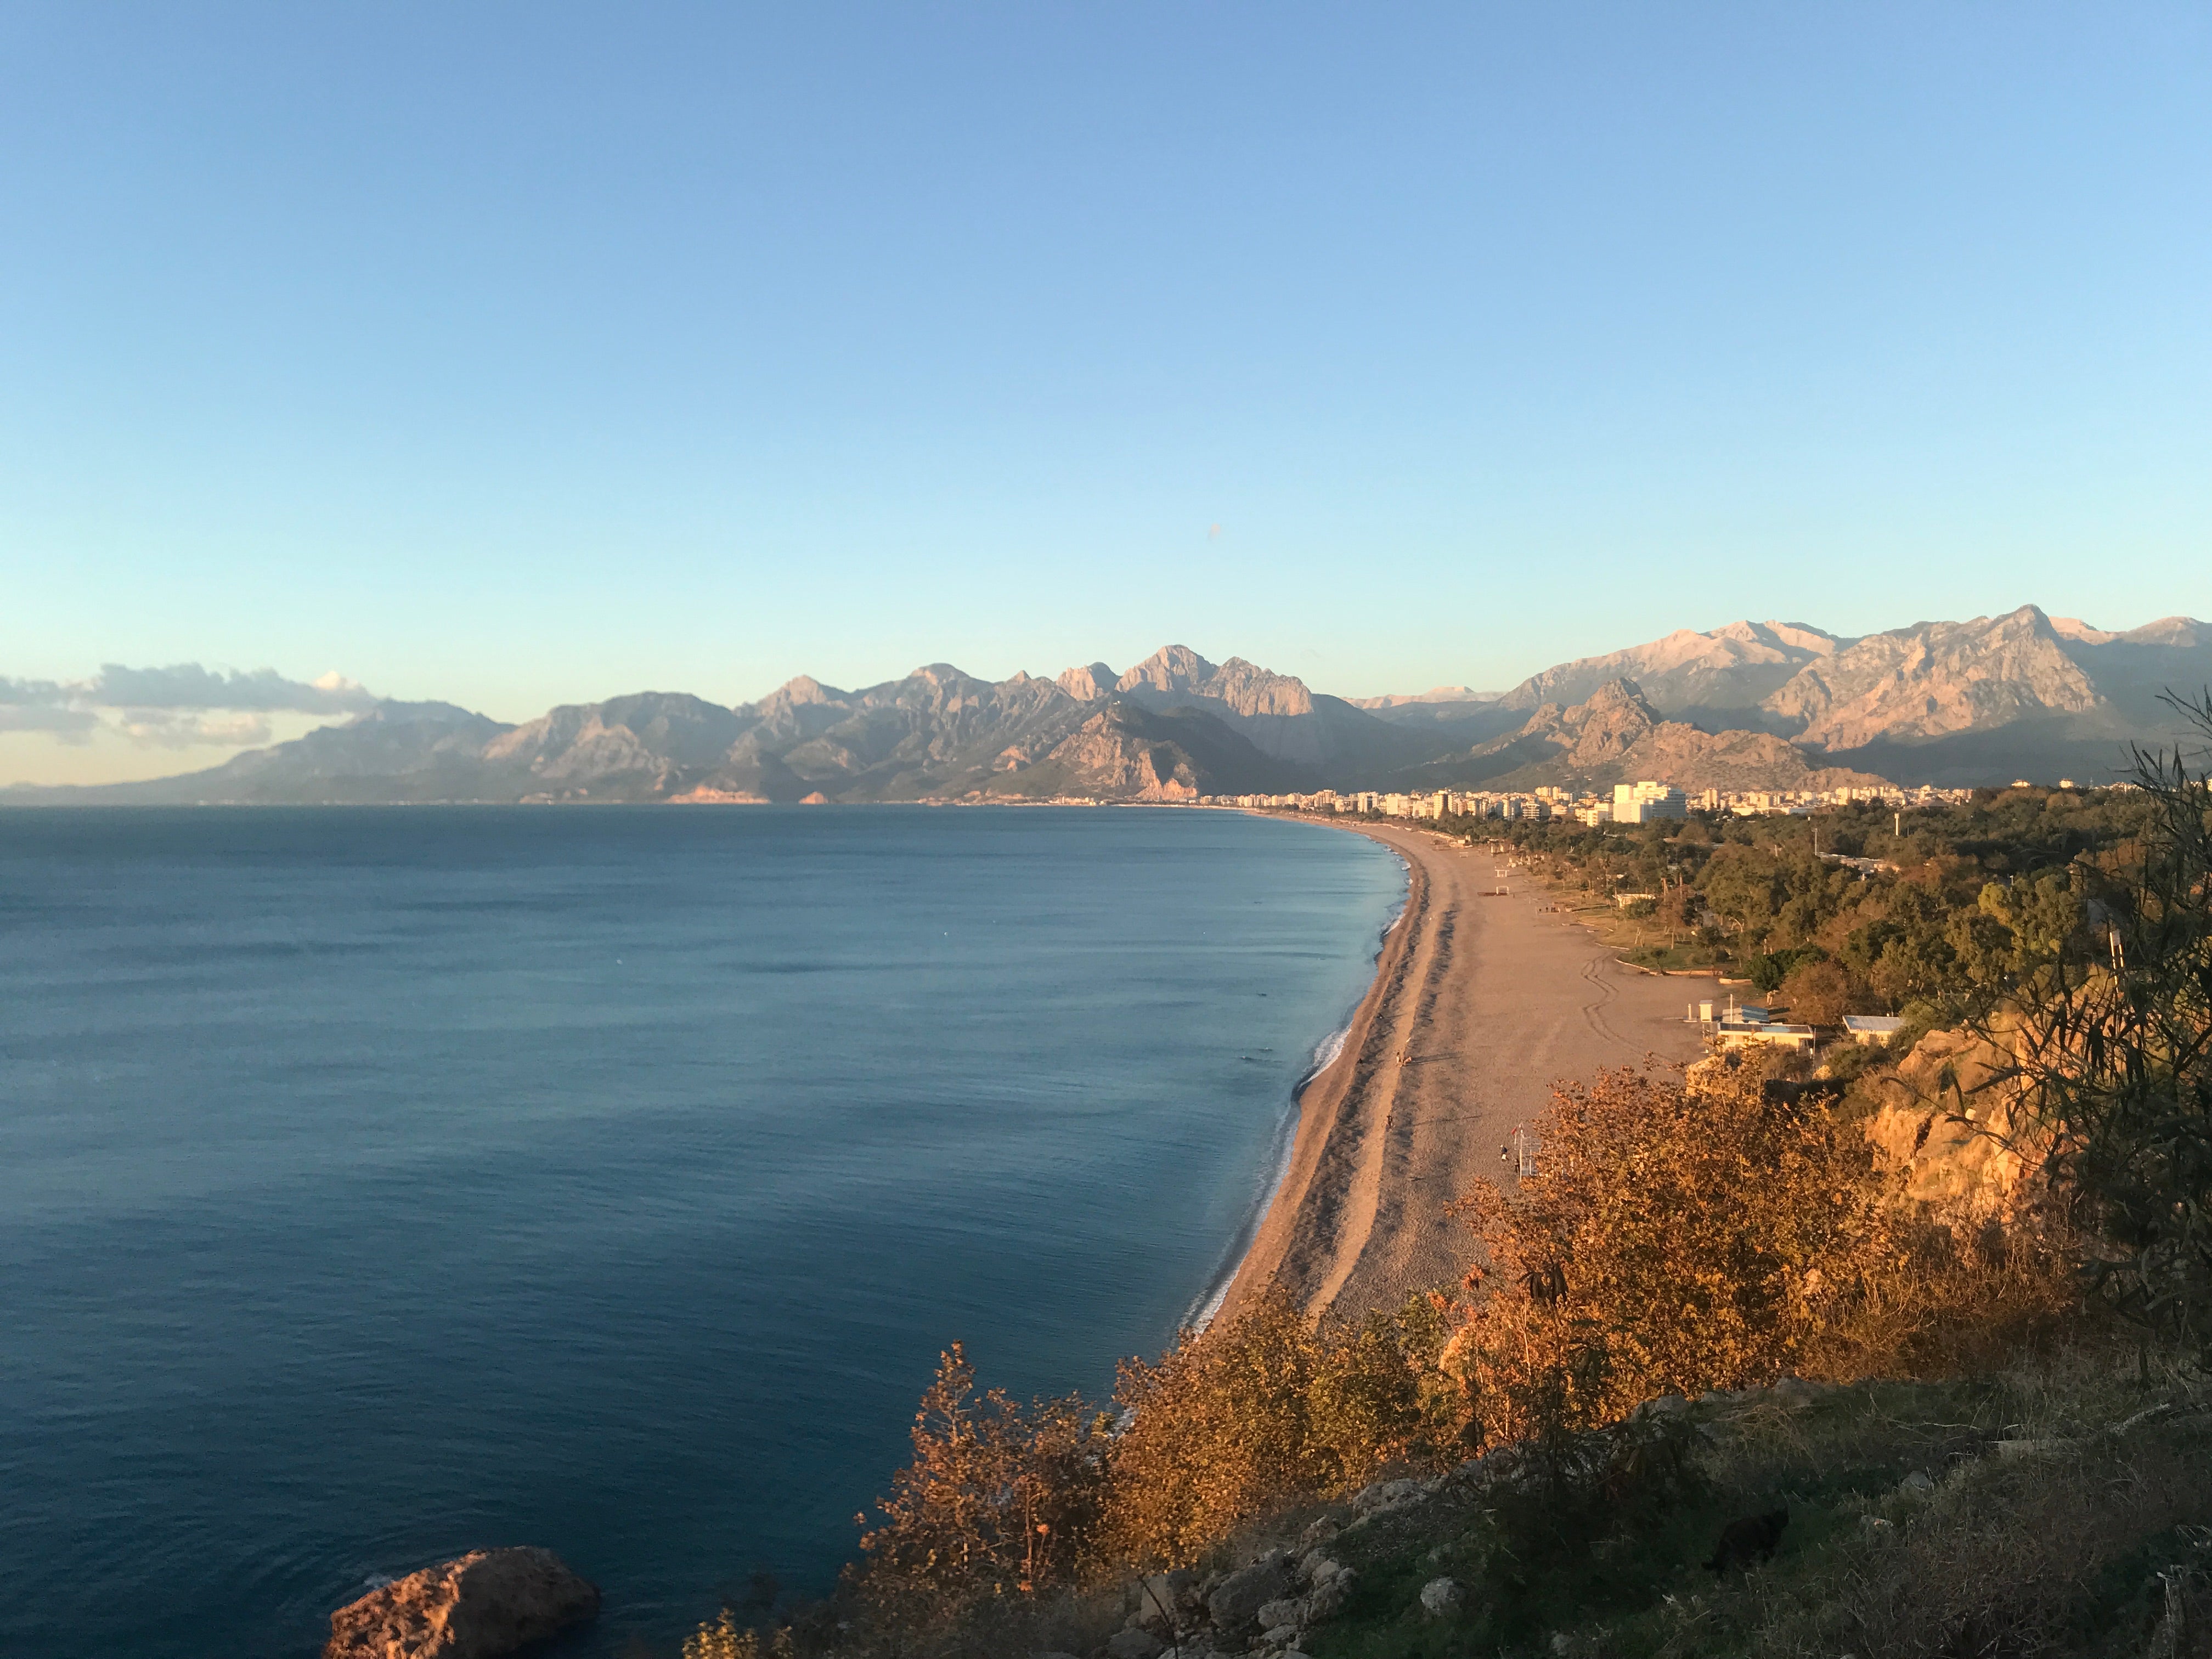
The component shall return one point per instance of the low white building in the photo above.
(1873, 1030)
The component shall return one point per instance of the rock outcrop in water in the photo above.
(484, 1604)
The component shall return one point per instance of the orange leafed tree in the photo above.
(1001, 1498)
(1671, 1238)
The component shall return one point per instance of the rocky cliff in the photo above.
(1932, 679)
(1618, 737)
(1722, 677)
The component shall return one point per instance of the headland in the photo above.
(1483, 996)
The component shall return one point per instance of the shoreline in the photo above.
(1283, 1152)
(1480, 1001)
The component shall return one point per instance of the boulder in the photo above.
(1166, 1599)
(480, 1605)
(1135, 1642)
(1236, 1603)
(1329, 1597)
(1317, 1568)
(1386, 1495)
(1440, 1598)
(1284, 1610)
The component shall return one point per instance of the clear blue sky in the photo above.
(516, 354)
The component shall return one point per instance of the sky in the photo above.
(516, 354)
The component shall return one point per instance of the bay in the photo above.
(379, 1183)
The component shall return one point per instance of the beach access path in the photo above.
(1482, 1000)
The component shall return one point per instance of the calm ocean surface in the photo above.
(375, 1184)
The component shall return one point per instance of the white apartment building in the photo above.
(1646, 802)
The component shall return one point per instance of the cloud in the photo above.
(67, 725)
(179, 707)
(20, 694)
(171, 728)
(188, 685)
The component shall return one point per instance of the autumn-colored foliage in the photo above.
(1671, 1239)
(1001, 1498)
(1817, 992)
(1266, 1409)
(1677, 1235)
(1685, 1236)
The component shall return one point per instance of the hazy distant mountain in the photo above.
(1440, 694)
(1174, 726)
(1750, 705)
(397, 752)
(1616, 736)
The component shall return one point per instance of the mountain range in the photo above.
(1747, 706)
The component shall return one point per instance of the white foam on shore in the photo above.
(1326, 1053)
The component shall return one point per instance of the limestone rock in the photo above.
(483, 1604)
(1386, 1495)
(1327, 1598)
(1236, 1603)
(1284, 1610)
(1979, 1166)
(1440, 1597)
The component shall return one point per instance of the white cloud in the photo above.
(169, 728)
(188, 685)
(182, 706)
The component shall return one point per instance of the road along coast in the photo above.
(1482, 999)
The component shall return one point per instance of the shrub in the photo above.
(1817, 992)
(1672, 1240)
(1000, 1496)
(1267, 1408)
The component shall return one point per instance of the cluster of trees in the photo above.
(1979, 895)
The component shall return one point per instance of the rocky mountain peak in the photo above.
(1170, 668)
(1936, 678)
(1088, 683)
(1782, 637)
(803, 689)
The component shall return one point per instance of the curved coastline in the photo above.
(1481, 999)
(1211, 1300)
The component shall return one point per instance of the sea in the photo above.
(380, 1183)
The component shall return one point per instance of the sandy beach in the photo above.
(1480, 1002)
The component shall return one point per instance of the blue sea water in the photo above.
(376, 1184)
